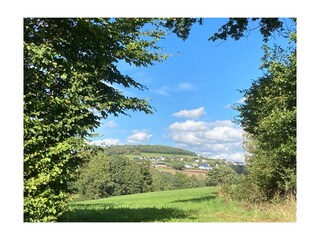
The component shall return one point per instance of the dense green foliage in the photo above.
(240, 169)
(221, 175)
(70, 75)
(268, 115)
(106, 176)
(178, 165)
(138, 149)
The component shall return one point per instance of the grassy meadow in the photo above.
(186, 205)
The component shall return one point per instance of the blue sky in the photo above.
(192, 92)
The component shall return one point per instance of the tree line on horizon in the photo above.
(138, 149)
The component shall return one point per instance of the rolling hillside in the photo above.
(147, 149)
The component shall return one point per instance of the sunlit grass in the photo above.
(187, 205)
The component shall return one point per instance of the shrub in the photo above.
(221, 175)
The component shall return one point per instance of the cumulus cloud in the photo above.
(189, 125)
(139, 136)
(193, 113)
(219, 139)
(105, 142)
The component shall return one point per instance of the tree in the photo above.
(70, 80)
(236, 28)
(178, 165)
(146, 176)
(220, 175)
(268, 115)
(94, 178)
(105, 176)
(126, 176)
(162, 180)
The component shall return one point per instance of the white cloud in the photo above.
(240, 101)
(219, 139)
(185, 86)
(105, 142)
(224, 134)
(193, 113)
(181, 87)
(189, 125)
(164, 90)
(139, 136)
(111, 124)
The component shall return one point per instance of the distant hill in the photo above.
(138, 149)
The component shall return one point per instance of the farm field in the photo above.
(186, 205)
(158, 155)
(189, 172)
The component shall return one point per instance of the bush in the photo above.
(221, 175)
(178, 165)
(244, 191)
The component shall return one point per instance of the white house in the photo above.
(204, 166)
(188, 166)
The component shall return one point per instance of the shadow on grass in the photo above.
(101, 213)
(197, 200)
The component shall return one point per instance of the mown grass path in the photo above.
(187, 205)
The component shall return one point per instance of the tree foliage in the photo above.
(105, 176)
(268, 115)
(220, 175)
(167, 181)
(138, 149)
(236, 28)
(94, 178)
(70, 80)
(178, 165)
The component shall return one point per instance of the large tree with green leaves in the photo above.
(268, 115)
(70, 74)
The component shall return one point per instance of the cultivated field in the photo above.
(189, 172)
(158, 155)
(187, 205)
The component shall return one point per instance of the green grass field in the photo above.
(187, 205)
